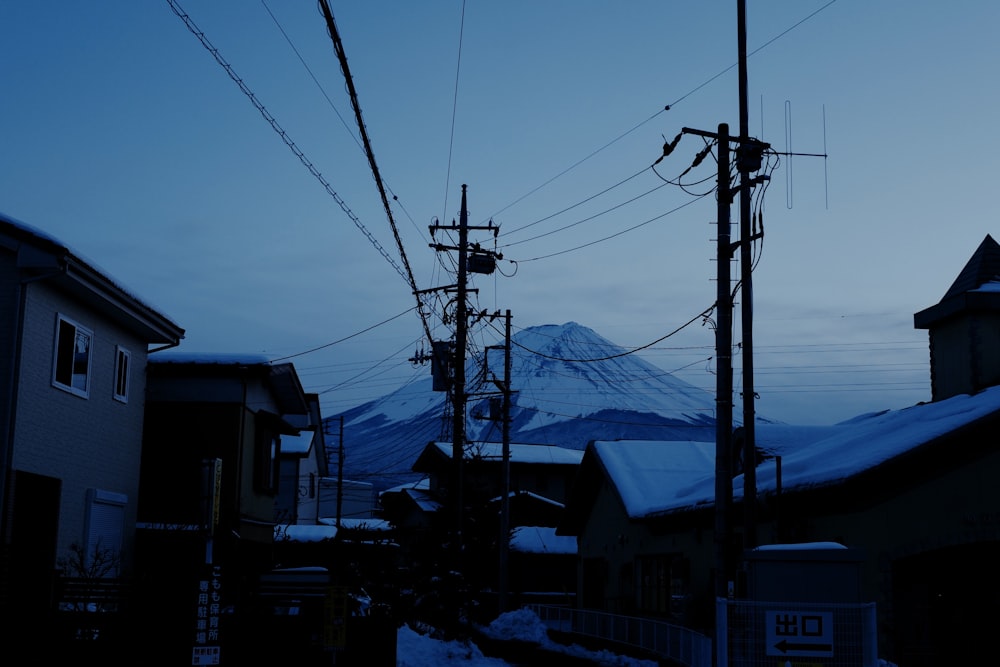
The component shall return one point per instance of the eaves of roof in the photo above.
(42, 258)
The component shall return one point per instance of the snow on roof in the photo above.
(298, 445)
(221, 358)
(375, 525)
(519, 453)
(779, 439)
(45, 237)
(541, 540)
(424, 484)
(528, 494)
(656, 477)
(800, 546)
(866, 442)
(649, 474)
(992, 286)
(418, 492)
(424, 500)
(304, 533)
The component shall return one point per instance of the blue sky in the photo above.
(123, 137)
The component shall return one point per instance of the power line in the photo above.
(193, 28)
(617, 234)
(667, 107)
(341, 340)
(338, 47)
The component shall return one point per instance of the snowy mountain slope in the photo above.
(570, 386)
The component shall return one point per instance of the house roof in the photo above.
(44, 257)
(653, 479)
(646, 474)
(416, 493)
(281, 378)
(529, 496)
(982, 267)
(975, 288)
(297, 445)
(304, 533)
(541, 540)
(520, 453)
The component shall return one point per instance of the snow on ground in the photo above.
(414, 649)
(417, 650)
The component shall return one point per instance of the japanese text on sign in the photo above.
(800, 633)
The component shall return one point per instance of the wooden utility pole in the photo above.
(505, 482)
(724, 570)
(724, 374)
(458, 397)
(749, 160)
(340, 472)
(485, 262)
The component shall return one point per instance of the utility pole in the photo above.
(724, 374)
(505, 485)
(340, 472)
(748, 160)
(724, 347)
(484, 263)
(724, 365)
(458, 387)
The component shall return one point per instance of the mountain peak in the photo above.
(569, 386)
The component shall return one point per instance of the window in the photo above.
(266, 462)
(72, 357)
(103, 532)
(662, 583)
(122, 359)
(653, 584)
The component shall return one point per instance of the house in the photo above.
(73, 351)
(210, 480)
(349, 499)
(625, 566)
(540, 561)
(540, 477)
(911, 490)
(214, 427)
(544, 470)
(302, 467)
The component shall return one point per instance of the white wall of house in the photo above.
(358, 500)
(92, 443)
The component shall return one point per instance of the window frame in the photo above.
(104, 531)
(59, 368)
(266, 461)
(123, 374)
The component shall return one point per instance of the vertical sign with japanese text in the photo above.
(208, 610)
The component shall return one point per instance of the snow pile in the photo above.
(524, 625)
(416, 650)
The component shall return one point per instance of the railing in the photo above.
(90, 609)
(667, 640)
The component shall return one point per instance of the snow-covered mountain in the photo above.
(570, 386)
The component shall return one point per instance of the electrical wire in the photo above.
(700, 316)
(345, 338)
(617, 234)
(666, 108)
(272, 121)
(338, 47)
(572, 206)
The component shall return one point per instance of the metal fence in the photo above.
(775, 633)
(667, 640)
